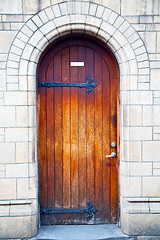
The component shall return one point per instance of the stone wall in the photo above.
(132, 30)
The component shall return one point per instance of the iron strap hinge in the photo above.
(89, 84)
(90, 210)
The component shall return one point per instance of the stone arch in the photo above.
(67, 18)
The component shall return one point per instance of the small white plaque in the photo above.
(77, 64)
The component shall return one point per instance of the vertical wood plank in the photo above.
(106, 144)
(82, 132)
(74, 134)
(58, 134)
(114, 163)
(50, 136)
(42, 146)
(66, 130)
(98, 140)
(90, 129)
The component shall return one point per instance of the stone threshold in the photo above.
(81, 232)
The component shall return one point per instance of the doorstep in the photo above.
(81, 232)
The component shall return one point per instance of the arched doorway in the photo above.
(78, 92)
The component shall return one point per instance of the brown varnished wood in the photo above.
(98, 139)
(50, 136)
(90, 120)
(106, 143)
(75, 132)
(82, 128)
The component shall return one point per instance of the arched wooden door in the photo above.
(77, 125)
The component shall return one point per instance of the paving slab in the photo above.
(81, 232)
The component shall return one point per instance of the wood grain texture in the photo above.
(75, 132)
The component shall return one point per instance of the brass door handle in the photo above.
(113, 154)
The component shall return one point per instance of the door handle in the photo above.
(113, 154)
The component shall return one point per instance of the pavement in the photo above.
(81, 232)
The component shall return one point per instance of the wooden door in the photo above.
(75, 132)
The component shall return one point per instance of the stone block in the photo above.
(140, 97)
(32, 151)
(144, 7)
(16, 26)
(156, 172)
(140, 133)
(150, 151)
(128, 83)
(7, 7)
(3, 80)
(106, 14)
(4, 210)
(47, 27)
(15, 98)
(33, 169)
(21, 210)
(12, 71)
(7, 152)
(12, 64)
(134, 149)
(36, 38)
(32, 116)
(13, 57)
(134, 114)
(151, 115)
(1, 131)
(133, 37)
(23, 67)
(22, 152)
(8, 189)
(143, 86)
(115, 6)
(152, 27)
(92, 9)
(22, 116)
(56, 10)
(129, 52)
(27, 31)
(23, 83)
(99, 12)
(63, 8)
(19, 227)
(140, 169)
(17, 170)
(112, 18)
(36, 19)
(31, 83)
(16, 134)
(90, 20)
(130, 186)
(156, 129)
(151, 186)
(155, 84)
(8, 116)
(142, 57)
(106, 26)
(31, 6)
(156, 136)
(155, 64)
(121, 39)
(149, 39)
(144, 71)
(26, 188)
(6, 38)
(141, 225)
(27, 52)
